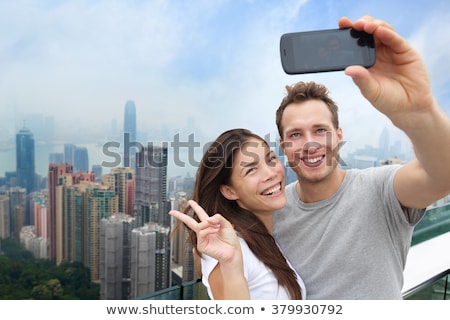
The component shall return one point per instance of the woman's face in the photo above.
(257, 179)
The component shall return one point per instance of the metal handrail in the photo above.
(427, 283)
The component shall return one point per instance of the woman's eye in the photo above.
(250, 170)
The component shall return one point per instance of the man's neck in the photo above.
(309, 192)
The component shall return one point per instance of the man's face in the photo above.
(310, 140)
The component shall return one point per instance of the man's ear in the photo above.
(340, 134)
(228, 192)
(282, 145)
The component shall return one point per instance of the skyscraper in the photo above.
(69, 153)
(129, 133)
(81, 160)
(100, 204)
(18, 206)
(151, 186)
(55, 172)
(181, 247)
(121, 180)
(56, 158)
(25, 166)
(40, 216)
(5, 217)
(150, 260)
(84, 203)
(115, 256)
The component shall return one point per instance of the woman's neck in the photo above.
(266, 219)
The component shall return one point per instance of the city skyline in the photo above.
(184, 153)
(185, 72)
(191, 68)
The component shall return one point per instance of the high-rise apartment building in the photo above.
(100, 204)
(40, 216)
(115, 257)
(79, 205)
(70, 222)
(55, 172)
(17, 205)
(5, 217)
(151, 186)
(122, 181)
(37, 245)
(130, 194)
(150, 260)
(18, 213)
(98, 171)
(181, 247)
(129, 133)
(25, 162)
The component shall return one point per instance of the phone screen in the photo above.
(326, 50)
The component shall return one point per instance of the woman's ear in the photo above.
(228, 192)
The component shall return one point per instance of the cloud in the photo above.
(432, 41)
(194, 66)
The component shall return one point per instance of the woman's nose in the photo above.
(269, 171)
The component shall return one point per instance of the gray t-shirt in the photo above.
(353, 245)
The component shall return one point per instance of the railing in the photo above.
(193, 290)
(428, 265)
(434, 223)
(426, 273)
(435, 288)
(427, 270)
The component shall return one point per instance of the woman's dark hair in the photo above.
(215, 170)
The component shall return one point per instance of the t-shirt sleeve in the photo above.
(411, 216)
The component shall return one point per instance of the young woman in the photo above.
(240, 183)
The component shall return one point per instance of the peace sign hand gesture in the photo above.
(216, 236)
(217, 239)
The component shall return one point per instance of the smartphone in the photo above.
(326, 50)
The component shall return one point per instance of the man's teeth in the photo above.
(313, 160)
(272, 190)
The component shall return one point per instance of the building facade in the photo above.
(115, 257)
(151, 186)
(25, 162)
(129, 134)
(150, 260)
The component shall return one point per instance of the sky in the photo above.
(192, 67)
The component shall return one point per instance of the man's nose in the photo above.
(311, 147)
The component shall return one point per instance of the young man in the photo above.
(348, 232)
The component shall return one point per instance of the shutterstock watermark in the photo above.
(189, 152)
(310, 148)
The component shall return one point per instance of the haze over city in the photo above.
(197, 67)
(76, 76)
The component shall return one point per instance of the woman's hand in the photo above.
(216, 236)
